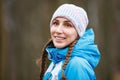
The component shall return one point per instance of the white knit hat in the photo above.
(75, 14)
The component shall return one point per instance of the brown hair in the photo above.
(44, 59)
(67, 59)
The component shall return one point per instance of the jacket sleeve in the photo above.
(79, 69)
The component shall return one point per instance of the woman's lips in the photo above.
(59, 38)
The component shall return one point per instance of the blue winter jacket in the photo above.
(84, 58)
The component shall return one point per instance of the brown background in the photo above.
(24, 28)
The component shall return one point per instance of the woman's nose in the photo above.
(59, 29)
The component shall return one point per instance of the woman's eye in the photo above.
(68, 25)
(55, 23)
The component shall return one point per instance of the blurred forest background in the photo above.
(24, 28)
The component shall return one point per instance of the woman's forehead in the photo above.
(62, 18)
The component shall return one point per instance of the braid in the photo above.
(43, 64)
(67, 59)
(44, 60)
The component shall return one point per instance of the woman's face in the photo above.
(62, 32)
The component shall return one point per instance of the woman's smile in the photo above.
(59, 39)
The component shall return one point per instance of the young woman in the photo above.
(71, 48)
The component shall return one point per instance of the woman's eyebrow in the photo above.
(55, 20)
(67, 21)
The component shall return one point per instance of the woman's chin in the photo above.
(59, 45)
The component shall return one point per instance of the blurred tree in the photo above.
(0, 39)
(109, 22)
